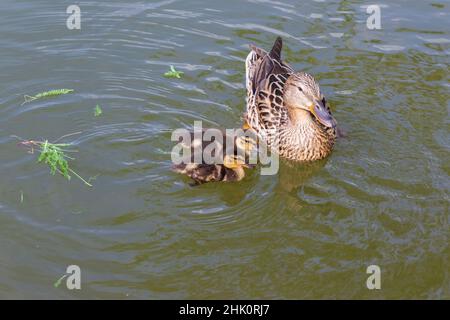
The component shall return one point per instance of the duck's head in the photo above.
(302, 93)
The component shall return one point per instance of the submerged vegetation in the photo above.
(173, 73)
(55, 156)
(58, 282)
(97, 111)
(51, 93)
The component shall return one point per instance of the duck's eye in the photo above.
(300, 89)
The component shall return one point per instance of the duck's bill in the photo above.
(322, 115)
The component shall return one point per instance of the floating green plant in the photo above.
(58, 282)
(173, 73)
(55, 156)
(97, 111)
(51, 93)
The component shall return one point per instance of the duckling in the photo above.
(286, 107)
(229, 167)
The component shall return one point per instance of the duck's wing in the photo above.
(260, 64)
(271, 64)
(266, 75)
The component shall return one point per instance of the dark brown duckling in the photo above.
(231, 166)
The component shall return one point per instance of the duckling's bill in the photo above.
(235, 162)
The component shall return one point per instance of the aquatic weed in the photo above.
(97, 111)
(55, 156)
(173, 73)
(50, 93)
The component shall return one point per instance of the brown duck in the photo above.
(286, 108)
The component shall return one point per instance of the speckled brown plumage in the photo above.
(286, 108)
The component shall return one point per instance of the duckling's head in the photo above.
(235, 161)
(234, 167)
(302, 97)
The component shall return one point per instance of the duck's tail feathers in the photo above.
(275, 53)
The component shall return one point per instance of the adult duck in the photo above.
(286, 108)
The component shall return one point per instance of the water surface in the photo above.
(141, 232)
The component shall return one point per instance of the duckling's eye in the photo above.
(300, 89)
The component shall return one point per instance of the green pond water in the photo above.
(142, 232)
